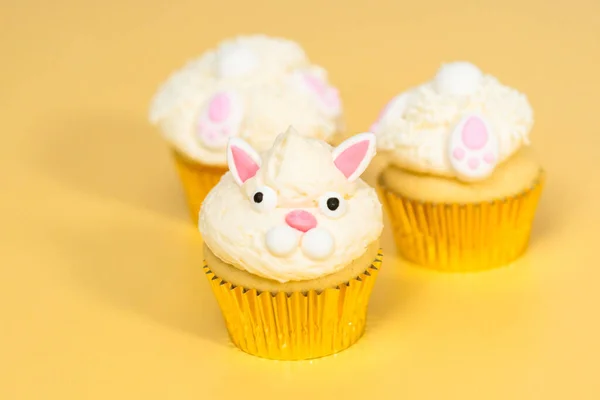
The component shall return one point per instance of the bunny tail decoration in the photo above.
(463, 184)
(294, 231)
(249, 87)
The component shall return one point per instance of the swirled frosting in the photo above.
(252, 87)
(461, 124)
(314, 215)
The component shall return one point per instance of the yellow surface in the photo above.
(197, 180)
(102, 289)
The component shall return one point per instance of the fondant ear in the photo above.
(242, 159)
(353, 156)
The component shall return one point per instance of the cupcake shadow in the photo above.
(394, 288)
(552, 211)
(113, 157)
(166, 285)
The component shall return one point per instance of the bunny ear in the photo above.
(354, 155)
(242, 159)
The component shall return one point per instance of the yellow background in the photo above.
(102, 293)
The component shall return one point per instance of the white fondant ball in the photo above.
(317, 244)
(459, 78)
(282, 240)
(235, 60)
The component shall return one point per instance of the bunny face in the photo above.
(299, 212)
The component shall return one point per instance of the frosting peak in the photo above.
(293, 213)
(259, 55)
(285, 168)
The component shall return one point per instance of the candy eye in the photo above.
(263, 199)
(332, 204)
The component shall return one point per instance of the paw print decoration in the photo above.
(220, 119)
(328, 96)
(473, 149)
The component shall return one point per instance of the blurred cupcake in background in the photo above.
(251, 87)
(462, 184)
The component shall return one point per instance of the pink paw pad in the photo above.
(458, 153)
(474, 134)
(473, 149)
(328, 95)
(473, 163)
(219, 107)
(332, 98)
(489, 158)
(220, 119)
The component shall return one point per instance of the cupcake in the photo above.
(250, 87)
(291, 245)
(462, 184)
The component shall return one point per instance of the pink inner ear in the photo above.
(244, 164)
(349, 160)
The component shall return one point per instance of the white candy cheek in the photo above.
(282, 240)
(317, 244)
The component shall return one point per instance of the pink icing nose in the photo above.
(301, 220)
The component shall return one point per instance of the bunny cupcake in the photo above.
(462, 185)
(292, 245)
(250, 87)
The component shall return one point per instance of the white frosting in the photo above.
(301, 171)
(234, 61)
(415, 128)
(276, 86)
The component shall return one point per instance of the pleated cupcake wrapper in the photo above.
(297, 325)
(462, 237)
(198, 179)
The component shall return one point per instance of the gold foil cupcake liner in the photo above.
(198, 179)
(462, 237)
(297, 325)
